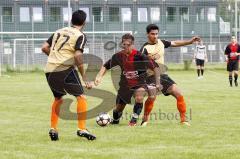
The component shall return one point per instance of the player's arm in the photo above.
(227, 52)
(107, 66)
(156, 69)
(46, 47)
(238, 51)
(78, 57)
(100, 75)
(206, 58)
(178, 43)
(157, 78)
(195, 54)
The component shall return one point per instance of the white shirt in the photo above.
(200, 52)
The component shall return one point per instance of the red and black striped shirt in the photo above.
(232, 48)
(133, 67)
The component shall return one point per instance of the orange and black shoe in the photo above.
(53, 134)
(85, 133)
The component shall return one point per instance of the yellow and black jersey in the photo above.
(64, 42)
(156, 50)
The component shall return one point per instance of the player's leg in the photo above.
(236, 66)
(230, 72)
(53, 133)
(202, 67)
(56, 86)
(181, 105)
(137, 108)
(82, 116)
(236, 78)
(123, 98)
(73, 86)
(149, 103)
(118, 111)
(170, 88)
(198, 68)
(230, 78)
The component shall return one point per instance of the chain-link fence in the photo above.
(26, 24)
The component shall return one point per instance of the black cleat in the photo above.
(86, 134)
(236, 83)
(114, 122)
(53, 134)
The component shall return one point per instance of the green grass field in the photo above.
(25, 101)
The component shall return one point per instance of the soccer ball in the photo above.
(103, 119)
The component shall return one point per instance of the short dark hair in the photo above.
(128, 36)
(151, 27)
(78, 17)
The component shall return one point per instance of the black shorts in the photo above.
(125, 93)
(232, 65)
(63, 82)
(199, 62)
(165, 81)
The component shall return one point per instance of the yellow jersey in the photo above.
(156, 51)
(64, 42)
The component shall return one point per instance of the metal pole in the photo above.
(1, 43)
(181, 53)
(210, 40)
(93, 36)
(27, 54)
(181, 27)
(69, 13)
(236, 19)
(14, 53)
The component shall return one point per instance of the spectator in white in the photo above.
(200, 56)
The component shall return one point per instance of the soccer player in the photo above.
(232, 56)
(65, 52)
(200, 56)
(155, 49)
(133, 66)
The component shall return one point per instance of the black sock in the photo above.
(198, 72)
(116, 115)
(235, 78)
(202, 71)
(230, 80)
(137, 109)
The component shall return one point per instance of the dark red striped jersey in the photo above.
(231, 49)
(133, 67)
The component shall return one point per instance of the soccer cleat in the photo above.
(236, 83)
(185, 123)
(86, 134)
(132, 122)
(53, 134)
(144, 123)
(113, 122)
